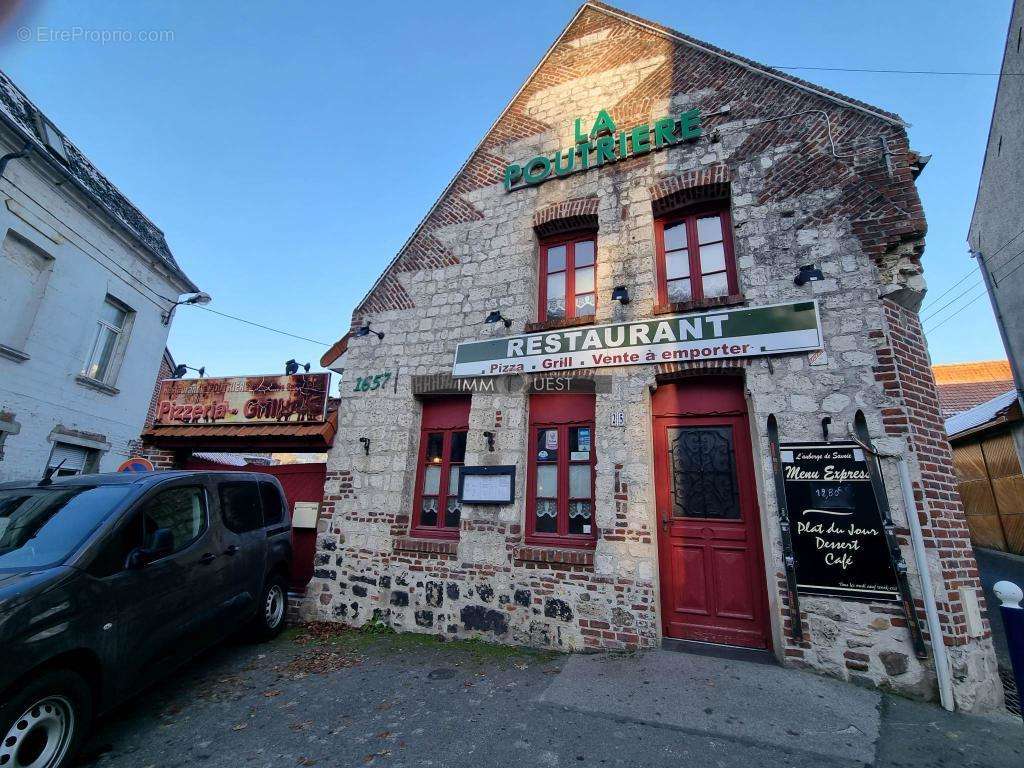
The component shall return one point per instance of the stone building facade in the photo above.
(799, 176)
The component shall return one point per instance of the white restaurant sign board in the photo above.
(743, 332)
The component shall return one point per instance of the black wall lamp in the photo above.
(199, 298)
(292, 367)
(620, 294)
(366, 330)
(366, 444)
(497, 317)
(808, 273)
(182, 369)
(489, 436)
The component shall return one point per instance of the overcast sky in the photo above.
(273, 141)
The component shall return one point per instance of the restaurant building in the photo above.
(651, 371)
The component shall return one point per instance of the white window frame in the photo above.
(109, 374)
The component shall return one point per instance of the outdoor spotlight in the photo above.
(292, 367)
(366, 444)
(807, 274)
(497, 317)
(620, 294)
(181, 369)
(366, 330)
(489, 437)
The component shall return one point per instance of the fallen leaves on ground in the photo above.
(319, 656)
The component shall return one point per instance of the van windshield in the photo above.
(40, 527)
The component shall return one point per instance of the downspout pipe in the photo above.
(13, 156)
(927, 591)
(931, 609)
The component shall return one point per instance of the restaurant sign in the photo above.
(604, 143)
(243, 400)
(838, 536)
(744, 332)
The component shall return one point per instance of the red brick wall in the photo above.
(904, 369)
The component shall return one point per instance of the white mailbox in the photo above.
(305, 513)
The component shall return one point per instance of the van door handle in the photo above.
(233, 549)
(208, 558)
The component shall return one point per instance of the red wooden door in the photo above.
(301, 482)
(709, 541)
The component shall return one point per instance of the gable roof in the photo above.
(653, 28)
(19, 113)
(962, 386)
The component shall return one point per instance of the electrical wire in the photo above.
(971, 271)
(134, 281)
(979, 296)
(260, 325)
(992, 269)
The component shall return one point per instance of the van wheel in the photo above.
(43, 724)
(270, 619)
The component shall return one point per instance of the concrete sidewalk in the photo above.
(753, 703)
(792, 711)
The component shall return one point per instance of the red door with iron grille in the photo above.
(709, 539)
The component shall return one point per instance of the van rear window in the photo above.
(240, 506)
(273, 511)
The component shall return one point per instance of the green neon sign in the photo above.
(604, 144)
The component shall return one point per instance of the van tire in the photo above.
(50, 714)
(272, 609)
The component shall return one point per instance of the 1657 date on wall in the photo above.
(371, 382)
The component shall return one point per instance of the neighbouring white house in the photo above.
(88, 287)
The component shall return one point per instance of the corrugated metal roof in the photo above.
(980, 414)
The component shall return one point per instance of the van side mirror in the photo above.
(163, 544)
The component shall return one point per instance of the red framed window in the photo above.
(568, 287)
(442, 452)
(695, 256)
(560, 473)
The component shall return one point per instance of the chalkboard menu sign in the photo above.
(838, 539)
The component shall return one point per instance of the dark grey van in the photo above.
(108, 582)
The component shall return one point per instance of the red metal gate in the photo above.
(301, 482)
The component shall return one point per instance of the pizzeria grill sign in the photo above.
(747, 332)
(243, 400)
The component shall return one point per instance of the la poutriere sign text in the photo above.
(744, 332)
(603, 144)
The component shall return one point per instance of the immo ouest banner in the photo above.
(745, 332)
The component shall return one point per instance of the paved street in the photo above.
(332, 697)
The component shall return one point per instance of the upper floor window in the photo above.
(442, 452)
(560, 475)
(695, 258)
(567, 278)
(109, 341)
